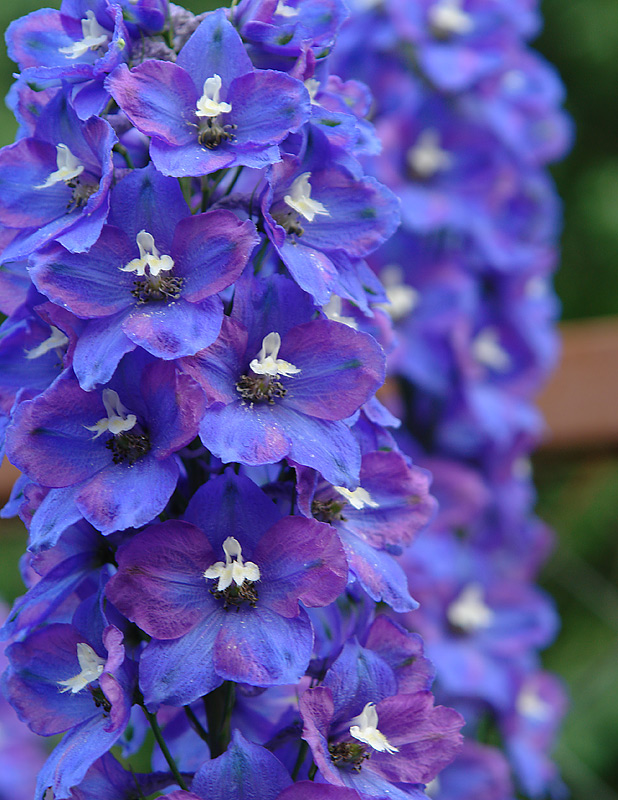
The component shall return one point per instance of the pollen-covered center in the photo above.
(155, 281)
(261, 384)
(235, 577)
(128, 442)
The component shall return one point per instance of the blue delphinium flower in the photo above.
(205, 112)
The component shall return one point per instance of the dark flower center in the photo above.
(290, 222)
(81, 193)
(212, 133)
(234, 596)
(260, 389)
(328, 510)
(99, 698)
(348, 755)
(128, 447)
(163, 288)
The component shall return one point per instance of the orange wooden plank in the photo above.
(580, 402)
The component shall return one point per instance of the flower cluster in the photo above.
(469, 116)
(215, 503)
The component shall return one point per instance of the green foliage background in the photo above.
(578, 494)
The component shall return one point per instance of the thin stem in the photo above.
(233, 181)
(196, 724)
(122, 150)
(302, 754)
(152, 719)
(137, 784)
(312, 770)
(261, 254)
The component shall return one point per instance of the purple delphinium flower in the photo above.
(151, 279)
(55, 184)
(106, 455)
(530, 730)
(210, 109)
(318, 215)
(107, 780)
(32, 352)
(61, 679)
(52, 47)
(281, 384)
(365, 734)
(477, 624)
(64, 573)
(286, 28)
(375, 520)
(234, 619)
(459, 41)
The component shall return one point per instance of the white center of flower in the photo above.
(234, 570)
(300, 200)
(91, 666)
(313, 87)
(426, 158)
(469, 611)
(487, 350)
(402, 298)
(333, 311)
(94, 37)
(286, 11)
(267, 362)
(530, 705)
(365, 729)
(447, 18)
(68, 168)
(433, 788)
(56, 342)
(209, 104)
(118, 419)
(149, 258)
(358, 499)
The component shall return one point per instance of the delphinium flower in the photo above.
(215, 499)
(470, 117)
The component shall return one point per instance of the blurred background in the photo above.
(577, 468)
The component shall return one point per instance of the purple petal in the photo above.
(50, 443)
(99, 350)
(302, 560)
(340, 369)
(160, 582)
(179, 671)
(232, 502)
(175, 329)
(259, 647)
(89, 285)
(159, 98)
(210, 251)
(123, 496)
(215, 48)
(267, 106)
(245, 771)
